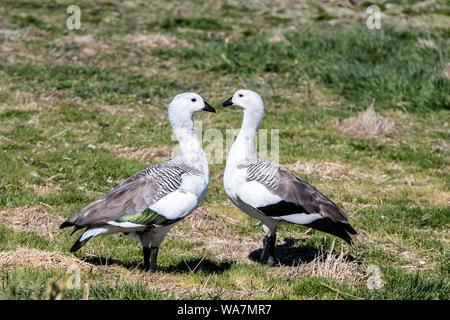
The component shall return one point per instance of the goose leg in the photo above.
(264, 252)
(146, 251)
(268, 253)
(272, 241)
(154, 255)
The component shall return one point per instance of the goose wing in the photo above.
(291, 199)
(131, 200)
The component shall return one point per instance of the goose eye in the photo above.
(193, 99)
(241, 95)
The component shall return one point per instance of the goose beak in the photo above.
(208, 108)
(227, 103)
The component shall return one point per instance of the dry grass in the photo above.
(334, 171)
(28, 101)
(89, 45)
(156, 41)
(368, 125)
(28, 106)
(23, 33)
(24, 257)
(44, 190)
(31, 219)
(214, 233)
(156, 154)
(328, 265)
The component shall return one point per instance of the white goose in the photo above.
(270, 193)
(149, 203)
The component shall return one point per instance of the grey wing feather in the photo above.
(293, 189)
(298, 196)
(133, 195)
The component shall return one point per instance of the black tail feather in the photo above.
(336, 228)
(348, 228)
(78, 244)
(75, 229)
(66, 224)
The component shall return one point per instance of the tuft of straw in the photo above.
(327, 265)
(368, 125)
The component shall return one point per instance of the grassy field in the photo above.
(80, 110)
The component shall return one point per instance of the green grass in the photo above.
(313, 66)
(361, 64)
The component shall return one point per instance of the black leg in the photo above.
(264, 252)
(146, 258)
(154, 255)
(268, 253)
(272, 242)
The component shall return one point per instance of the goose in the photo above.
(149, 203)
(270, 193)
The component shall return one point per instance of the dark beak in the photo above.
(208, 108)
(228, 103)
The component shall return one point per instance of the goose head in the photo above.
(248, 100)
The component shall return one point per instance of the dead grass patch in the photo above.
(24, 257)
(30, 106)
(119, 110)
(328, 265)
(156, 41)
(214, 233)
(334, 171)
(29, 101)
(368, 125)
(157, 154)
(44, 190)
(31, 219)
(17, 52)
(23, 33)
(89, 45)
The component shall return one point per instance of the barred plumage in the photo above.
(262, 171)
(167, 176)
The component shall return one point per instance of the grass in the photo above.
(361, 65)
(108, 85)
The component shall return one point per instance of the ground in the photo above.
(362, 114)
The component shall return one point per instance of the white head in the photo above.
(253, 107)
(183, 107)
(248, 100)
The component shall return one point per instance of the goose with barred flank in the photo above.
(149, 203)
(270, 193)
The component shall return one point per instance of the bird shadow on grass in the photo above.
(288, 254)
(193, 265)
(190, 265)
(106, 261)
